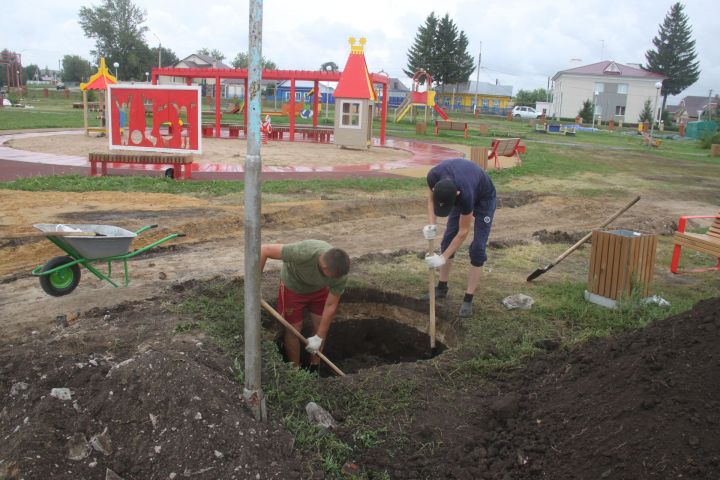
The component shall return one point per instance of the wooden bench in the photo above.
(449, 125)
(508, 147)
(181, 164)
(708, 243)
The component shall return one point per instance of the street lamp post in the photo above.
(658, 86)
(595, 95)
(328, 69)
(116, 65)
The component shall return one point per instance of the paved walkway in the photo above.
(21, 163)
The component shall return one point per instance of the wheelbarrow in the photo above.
(85, 245)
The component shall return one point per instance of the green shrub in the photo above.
(709, 138)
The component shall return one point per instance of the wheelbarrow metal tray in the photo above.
(110, 241)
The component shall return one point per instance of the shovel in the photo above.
(567, 252)
(431, 296)
(302, 339)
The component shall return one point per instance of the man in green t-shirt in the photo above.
(313, 276)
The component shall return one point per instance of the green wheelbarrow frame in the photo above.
(59, 276)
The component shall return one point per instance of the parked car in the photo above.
(525, 112)
(60, 86)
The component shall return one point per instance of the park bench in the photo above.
(508, 147)
(449, 125)
(708, 243)
(181, 164)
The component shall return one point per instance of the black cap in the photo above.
(444, 195)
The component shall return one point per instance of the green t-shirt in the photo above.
(301, 271)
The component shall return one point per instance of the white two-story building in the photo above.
(618, 92)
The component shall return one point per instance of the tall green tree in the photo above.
(75, 69)
(674, 54)
(423, 50)
(116, 26)
(242, 60)
(440, 48)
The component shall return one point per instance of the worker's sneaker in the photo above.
(439, 293)
(466, 309)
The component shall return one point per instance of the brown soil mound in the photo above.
(640, 405)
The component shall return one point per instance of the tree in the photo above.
(75, 69)
(586, 112)
(116, 26)
(530, 97)
(31, 72)
(241, 60)
(167, 57)
(441, 50)
(214, 53)
(646, 115)
(423, 50)
(674, 53)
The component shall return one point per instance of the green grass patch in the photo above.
(79, 183)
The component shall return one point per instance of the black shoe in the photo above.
(439, 293)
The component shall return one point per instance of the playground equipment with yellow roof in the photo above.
(419, 99)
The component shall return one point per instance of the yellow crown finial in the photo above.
(357, 48)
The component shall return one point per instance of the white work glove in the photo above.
(430, 231)
(313, 345)
(435, 261)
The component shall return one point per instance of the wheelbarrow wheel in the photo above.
(63, 281)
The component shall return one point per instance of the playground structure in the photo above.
(316, 76)
(419, 99)
(99, 82)
(13, 68)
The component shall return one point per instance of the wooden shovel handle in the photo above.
(302, 339)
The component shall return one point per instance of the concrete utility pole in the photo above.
(253, 394)
(477, 78)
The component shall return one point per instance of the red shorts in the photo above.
(291, 304)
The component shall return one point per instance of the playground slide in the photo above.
(440, 112)
(403, 112)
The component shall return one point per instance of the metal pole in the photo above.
(477, 79)
(253, 394)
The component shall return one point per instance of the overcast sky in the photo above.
(523, 42)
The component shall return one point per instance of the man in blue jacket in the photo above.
(463, 192)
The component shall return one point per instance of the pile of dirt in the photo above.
(139, 403)
(644, 404)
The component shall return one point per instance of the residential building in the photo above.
(229, 87)
(491, 98)
(397, 91)
(618, 91)
(693, 108)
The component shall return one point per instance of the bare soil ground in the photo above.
(640, 405)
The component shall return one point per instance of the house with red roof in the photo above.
(618, 91)
(354, 101)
